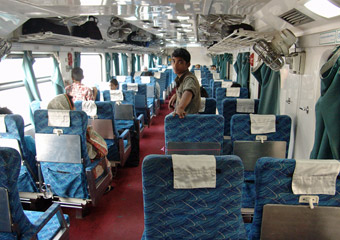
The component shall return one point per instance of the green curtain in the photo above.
(270, 82)
(115, 58)
(57, 78)
(30, 81)
(224, 59)
(214, 60)
(133, 64)
(242, 69)
(151, 62)
(138, 68)
(124, 71)
(76, 59)
(159, 62)
(108, 65)
(327, 111)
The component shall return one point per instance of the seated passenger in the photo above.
(96, 145)
(146, 72)
(235, 84)
(197, 66)
(77, 90)
(114, 85)
(204, 93)
(213, 67)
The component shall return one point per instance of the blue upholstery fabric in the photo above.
(66, 180)
(240, 130)
(206, 213)
(51, 228)
(9, 172)
(273, 179)
(210, 106)
(229, 109)
(29, 171)
(194, 128)
(221, 94)
(215, 85)
(209, 91)
(105, 110)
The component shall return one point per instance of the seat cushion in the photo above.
(50, 229)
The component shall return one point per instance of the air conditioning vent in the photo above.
(295, 17)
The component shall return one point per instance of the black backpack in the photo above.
(88, 29)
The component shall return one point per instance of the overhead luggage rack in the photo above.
(50, 38)
(239, 39)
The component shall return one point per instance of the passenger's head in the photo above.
(77, 74)
(5, 110)
(114, 84)
(61, 102)
(180, 60)
(235, 84)
(145, 68)
(197, 66)
(213, 67)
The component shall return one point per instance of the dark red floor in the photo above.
(120, 213)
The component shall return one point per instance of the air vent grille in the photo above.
(295, 17)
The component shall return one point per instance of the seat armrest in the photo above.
(125, 135)
(47, 215)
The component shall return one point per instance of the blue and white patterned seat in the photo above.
(221, 95)
(28, 223)
(72, 180)
(194, 128)
(240, 131)
(273, 179)
(210, 106)
(29, 171)
(228, 110)
(203, 213)
(119, 147)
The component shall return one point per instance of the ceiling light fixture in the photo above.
(324, 8)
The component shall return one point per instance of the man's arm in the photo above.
(172, 101)
(184, 102)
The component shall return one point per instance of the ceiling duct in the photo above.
(295, 17)
(118, 34)
(5, 48)
(211, 26)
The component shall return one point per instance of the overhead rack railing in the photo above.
(49, 38)
(239, 39)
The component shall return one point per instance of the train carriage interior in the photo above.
(258, 160)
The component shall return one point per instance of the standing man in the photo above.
(187, 99)
(77, 90)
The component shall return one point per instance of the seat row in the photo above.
(175, 211)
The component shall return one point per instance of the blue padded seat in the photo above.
(71, 180)
(51, 222)
(221, 94)
(240, 131)
(273, 179)
(210, 106)
(228, 110)
(194, 128)
(204, 213)
(29, 171)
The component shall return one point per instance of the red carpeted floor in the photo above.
(120, 212)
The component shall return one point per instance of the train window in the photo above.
(92, 67)
(13, 92)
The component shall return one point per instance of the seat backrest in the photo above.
(105, 111)
(15, 130)
(241, 129)
(203, 213)
(9, 173)
(194, 128)
(210, 106)
(221, 94)
(229, 108)
(78, 126)
(273, 179)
